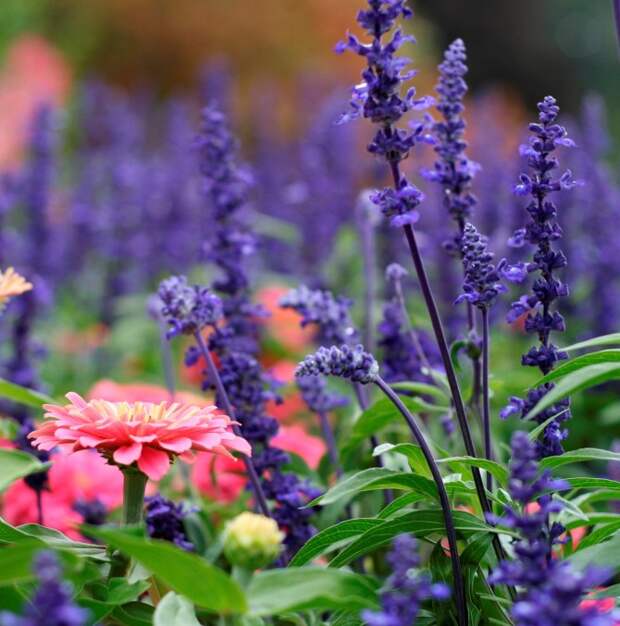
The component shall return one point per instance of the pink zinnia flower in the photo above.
(137, 432)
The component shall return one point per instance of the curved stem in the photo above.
(486, 412)
(214, 375)
(459, 587)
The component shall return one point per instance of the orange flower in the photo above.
(12, 284)
(137, 432)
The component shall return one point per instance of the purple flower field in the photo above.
(312, 333)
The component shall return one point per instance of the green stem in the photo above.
(134, 486)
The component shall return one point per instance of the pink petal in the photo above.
(126, 455)
(179, 445)
(154, 463)
(240, 445)
(143, 438)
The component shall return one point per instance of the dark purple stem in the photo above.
(459, 588)
(486, 411)
(214, 375)
(39, 495)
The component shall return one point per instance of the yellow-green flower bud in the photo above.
(252, 541)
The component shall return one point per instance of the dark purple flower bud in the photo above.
(187, 308)
(481, 285)
(344, 361)
(320, 307)
(399, 206)
(164, 520)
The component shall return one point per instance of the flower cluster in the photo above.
(406, 588)
(379, 99)
(453, 170)
(140, 432)
(164, 520)
(344, 361)
(482, 280)
(235, 340)
(542, 230)
(550, 591)
(187, 308)
(52, 603)
(320, 307)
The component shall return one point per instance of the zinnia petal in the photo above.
(126, 455)
(154, 463)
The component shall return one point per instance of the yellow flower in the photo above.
(252, 541)
(12, 284)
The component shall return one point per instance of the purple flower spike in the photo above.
(406, 588)
(542, 231)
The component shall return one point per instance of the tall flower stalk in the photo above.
(480, 289)
(239, 379)
(379, 99)
(361, 367)
(542, 231)
(454, 172)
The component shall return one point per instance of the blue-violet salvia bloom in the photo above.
(453, 170)
(406, 588)
(541, 231)
(227, 186)
(550, 591)
(344, 361)
(164, 520)
(52, 603)
(188, 308)
(329, 313)
(379, 98)
(481, 285)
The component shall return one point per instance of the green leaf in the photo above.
(497, 470)
(23, 395)
(399, 503)
(589, 483)
(604, 356)
(134, 614)
(476, 549)
(15, 464)
(376, 478)
(533, 434)
(279, 591)
(175, 610)
(421, 523)
(331, 539)
(414, 455)
(580, 455)
(16, 562)
(382, 413)
(10, 534)
(606, 554)
(587, 377)
(422, 389)
(598, 535)
(603, 340)
(204, 584)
